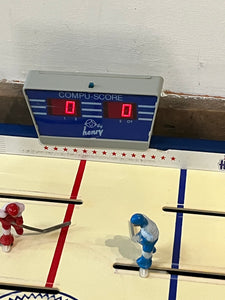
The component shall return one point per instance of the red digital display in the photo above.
(119, 110)
(63, 107)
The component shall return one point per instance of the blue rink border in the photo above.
(157, 142)
(177, 236)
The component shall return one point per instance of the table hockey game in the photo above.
(97, 190)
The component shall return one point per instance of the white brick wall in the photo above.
(184, 41)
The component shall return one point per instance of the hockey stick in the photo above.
(45, 230)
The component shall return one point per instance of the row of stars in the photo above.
(113, 153)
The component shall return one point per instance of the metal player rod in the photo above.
(194, 211)
(28, 288)
(173, 271)
(41, 199)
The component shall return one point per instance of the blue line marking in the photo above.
(182, 186)
(178, 234)
(173, 287)
(177, 241)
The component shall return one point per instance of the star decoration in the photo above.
(133, 155)
(173, 158)
(75, 150)
(55, 148)
(46, 147)
(114, 153)
(163, 157)
(143, 156)
(123, 154)
(104, 152)
(94, 151)
(153, 156)
(65, 149)
(84, 151)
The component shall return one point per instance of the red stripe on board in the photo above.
(64, 231)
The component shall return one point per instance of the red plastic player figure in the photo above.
(11, 215)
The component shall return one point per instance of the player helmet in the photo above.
(12, 209)
(139, 220)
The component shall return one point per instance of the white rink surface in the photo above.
(99, 237)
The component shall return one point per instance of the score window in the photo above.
(119, 110)
(63, 107)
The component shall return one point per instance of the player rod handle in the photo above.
(28, 288)
(40, 199)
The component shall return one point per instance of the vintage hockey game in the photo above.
(90, 164)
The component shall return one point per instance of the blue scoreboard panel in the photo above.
(92, 110)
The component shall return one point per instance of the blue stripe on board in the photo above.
(157, 142)
(178, 234)
(18, 130)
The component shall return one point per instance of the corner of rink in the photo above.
(152, 157)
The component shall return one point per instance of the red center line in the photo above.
(64, 231)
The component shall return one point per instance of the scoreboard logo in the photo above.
(221, 164)
(34, 296)
(91, 128)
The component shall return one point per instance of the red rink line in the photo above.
(64, 231)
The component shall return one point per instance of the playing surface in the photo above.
(80, 261)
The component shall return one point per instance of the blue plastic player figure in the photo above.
(147, 237)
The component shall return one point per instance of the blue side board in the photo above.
(157, 142)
